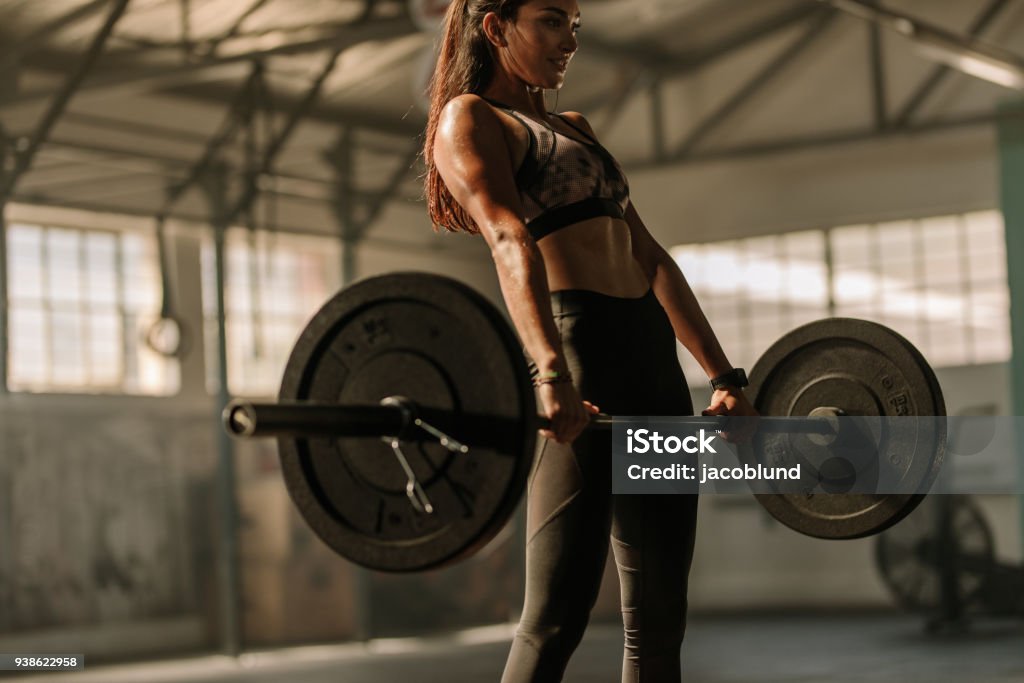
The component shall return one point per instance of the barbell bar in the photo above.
(396, 417)
(418, 350)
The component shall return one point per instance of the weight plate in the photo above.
(910, 556)
(862, 368)
(435, 341)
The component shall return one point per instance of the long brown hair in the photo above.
(465, 64)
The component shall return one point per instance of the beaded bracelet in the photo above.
(552, 377)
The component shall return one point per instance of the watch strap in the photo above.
(737, 377)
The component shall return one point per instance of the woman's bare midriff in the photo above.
(594, 254)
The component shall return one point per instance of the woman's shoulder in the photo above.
(578, 120)
(469, 106)
(467, 116)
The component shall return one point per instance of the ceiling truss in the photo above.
(640, 69)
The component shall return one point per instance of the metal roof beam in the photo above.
(666, 63)
(657, 107)
(800, 143)
(27, 151)
(940, 73)
(744, 37)
(12, 56)
(136, 162)
(251, 188)
(747, 91)
(877, 60)
(963, 53)
(213, 147)
(627, 83)
(255, 6)
(225, 63)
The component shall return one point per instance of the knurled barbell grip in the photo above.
(248, 419)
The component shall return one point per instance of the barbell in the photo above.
(406, 420)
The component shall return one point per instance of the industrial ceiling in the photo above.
(133, 106)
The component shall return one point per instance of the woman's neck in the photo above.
(517, 95)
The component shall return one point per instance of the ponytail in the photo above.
(465, 64)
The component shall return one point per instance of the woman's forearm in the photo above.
(524, 286)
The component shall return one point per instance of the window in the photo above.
(81, 302)
(754, 290)
(274, 283)
(940, 282)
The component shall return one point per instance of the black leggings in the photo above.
(622, 354)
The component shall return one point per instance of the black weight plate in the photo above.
(439, 343)
(862, 368)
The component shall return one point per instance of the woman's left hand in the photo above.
(732, 402)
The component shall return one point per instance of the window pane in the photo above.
(690, 262)
(851, 246)
(63, 267)
(29, 350)
(274, 284)
(722, 258)
(105, 349)
(24, 262)
(67, 344)
(806, 283)
(896, 241)
(940, 282)
(141, 274)
(101, 275)
(90, 288)
(993, 346)
(809, 244)
(855, 287)
(940, 236)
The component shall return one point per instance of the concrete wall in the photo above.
(109, 507)
(849, 184)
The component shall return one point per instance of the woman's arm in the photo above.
(688, 320)
(475, 163)
(474, 160)
(676, 297)
(670, 286)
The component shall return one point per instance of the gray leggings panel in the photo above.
(622, 354)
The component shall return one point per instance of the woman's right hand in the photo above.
(569, 414)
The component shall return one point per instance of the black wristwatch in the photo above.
(734, 378)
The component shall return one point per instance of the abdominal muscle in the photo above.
(595, 254)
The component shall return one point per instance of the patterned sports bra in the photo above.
(563, 180)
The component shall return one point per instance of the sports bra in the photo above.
(563, 180)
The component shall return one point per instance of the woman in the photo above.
(598, 305)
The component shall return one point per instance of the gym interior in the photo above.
(184, 183)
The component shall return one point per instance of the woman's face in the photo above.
(540, 42)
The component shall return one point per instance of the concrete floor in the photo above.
(759, 649)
